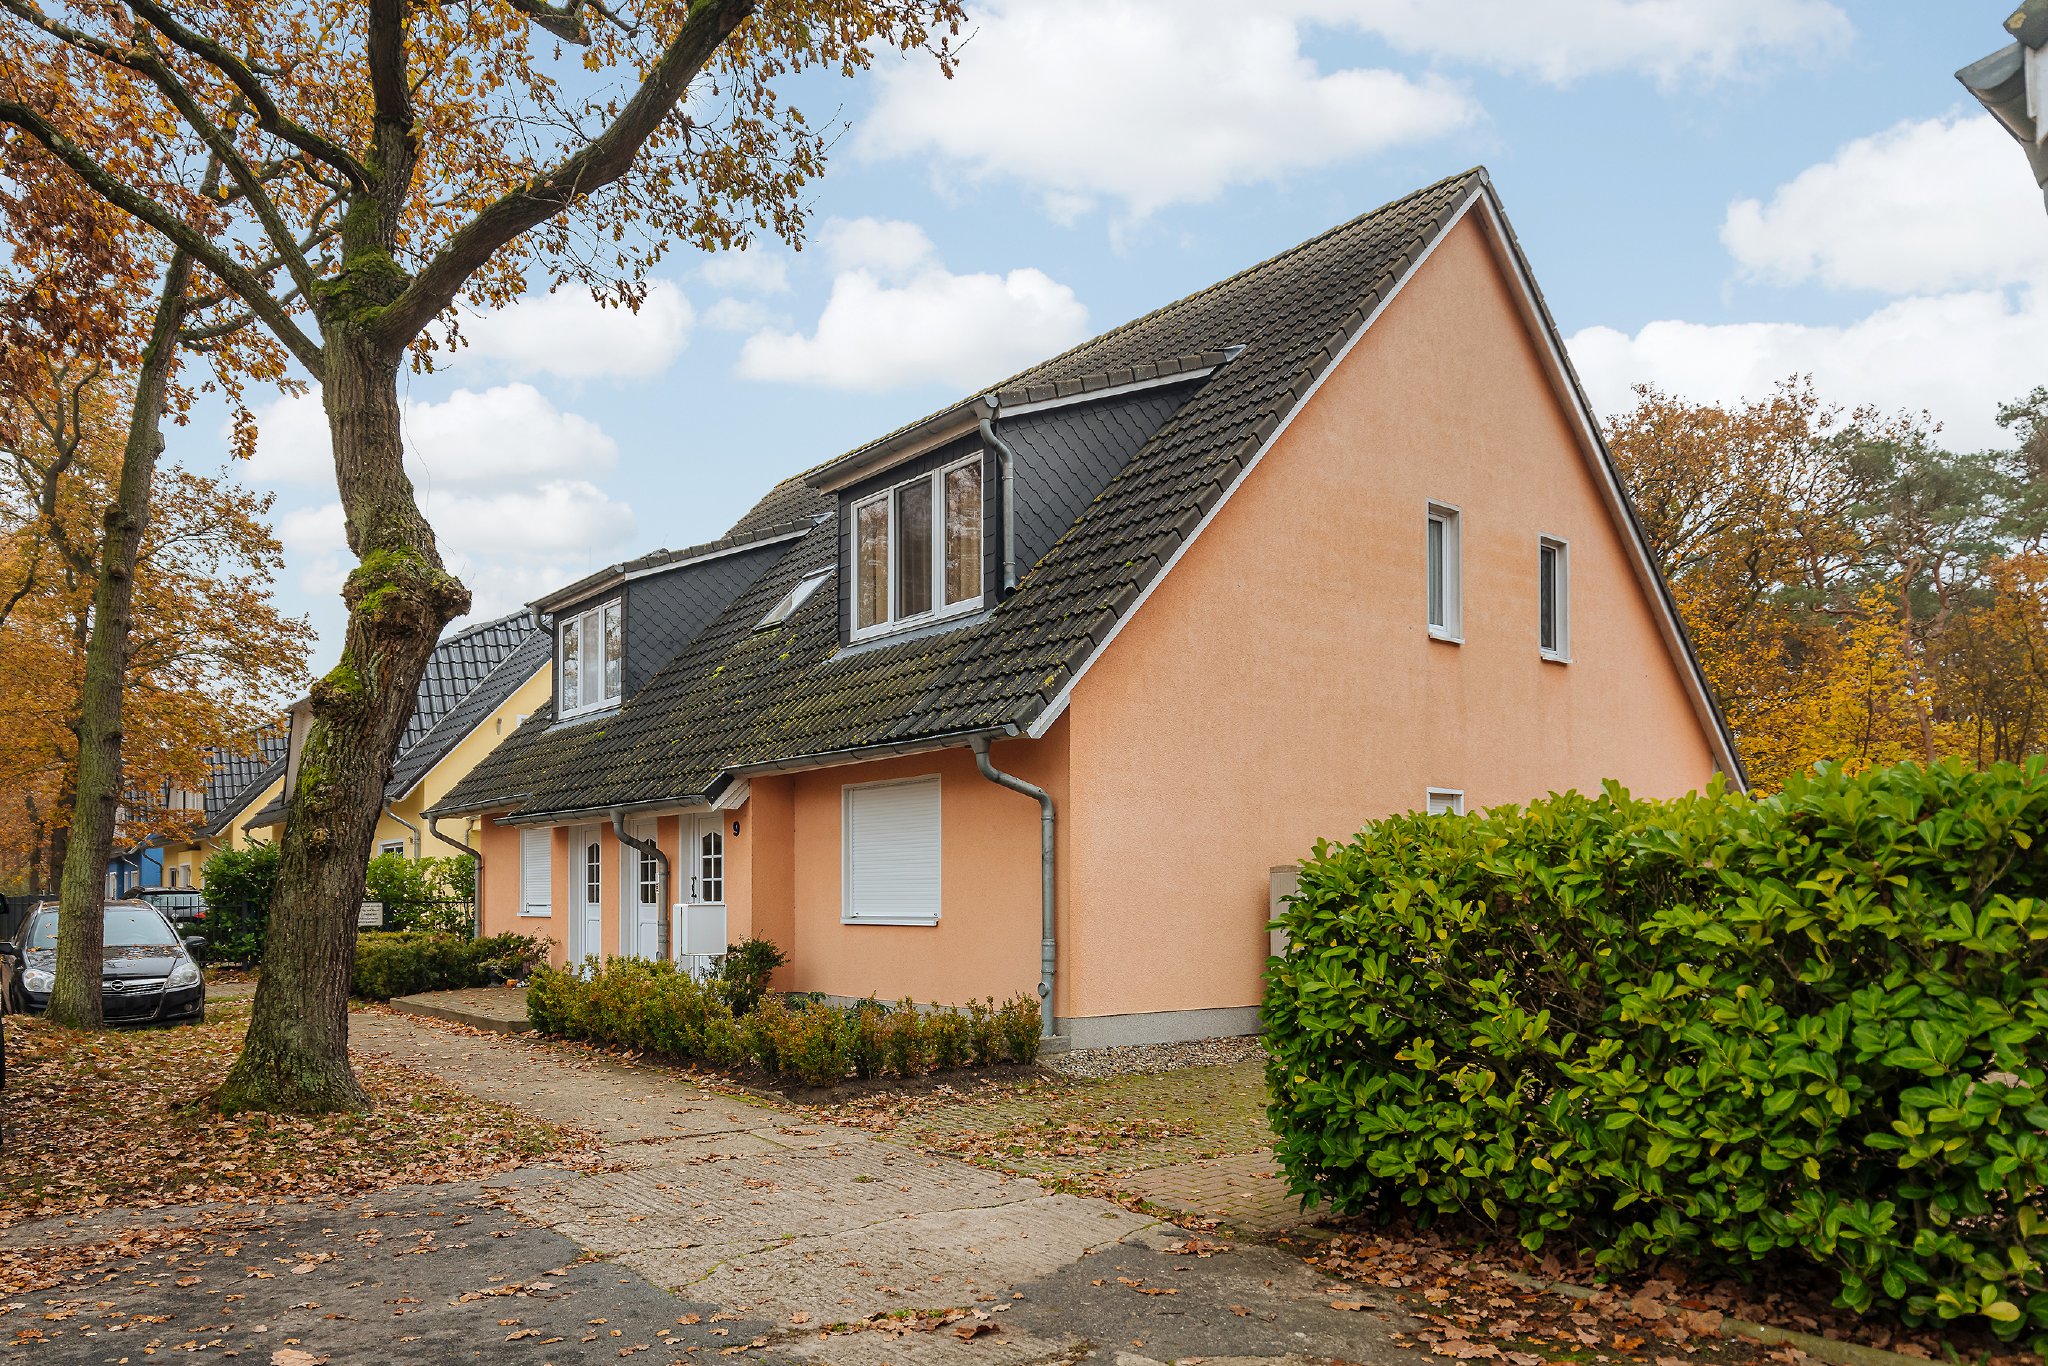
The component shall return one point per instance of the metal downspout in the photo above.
(1009, 461)
(653, 846)
(1047, 944)
(477, 908)
(408, 825)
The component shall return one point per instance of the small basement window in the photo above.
(1553, 598)
(1444, 573)
(890, 844)
(1444, 801)
(786, 605)
(917, 550)
(589, 657)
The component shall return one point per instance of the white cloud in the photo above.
(757, 270)
(740, 315)
(1564, 40)
(897, 318)
(888, 248)
(509, 546)
(1147, 102)
(1928, 205)
(569, 335)
(473, 437)
(1956, 356)
(1935, 211)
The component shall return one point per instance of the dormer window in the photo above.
(589, 655)
(917, 550)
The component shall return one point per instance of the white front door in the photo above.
(586, 893)
(639, 895)
(703, 890)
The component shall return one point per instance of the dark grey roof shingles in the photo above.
(233, 779)
(740, 697)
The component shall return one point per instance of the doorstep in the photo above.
(499, 1009)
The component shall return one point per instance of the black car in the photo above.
(148, 975)
(182, 904)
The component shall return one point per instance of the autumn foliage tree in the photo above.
(383, 162)
(211, 658)
(1857, 593)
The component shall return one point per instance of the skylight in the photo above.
(786, 606)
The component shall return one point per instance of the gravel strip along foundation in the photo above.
(1154, 1057)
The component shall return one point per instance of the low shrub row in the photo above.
(652, 1007)
(403, 962)
(1812, 1029)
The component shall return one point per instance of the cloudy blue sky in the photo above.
(1715, 193)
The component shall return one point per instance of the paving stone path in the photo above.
(712, 1226)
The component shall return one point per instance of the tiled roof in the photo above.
(532, 654)
(234, 779)
(739, 697)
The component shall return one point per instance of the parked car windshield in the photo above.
(127, 927)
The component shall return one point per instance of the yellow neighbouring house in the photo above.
(480, 683)
(237, 786)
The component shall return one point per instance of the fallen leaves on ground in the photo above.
(1473, 1312)
(118, 1120)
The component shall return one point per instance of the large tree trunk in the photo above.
(75, 1000)
(399, 598)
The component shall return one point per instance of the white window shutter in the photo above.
(892, 853)
(536, 876)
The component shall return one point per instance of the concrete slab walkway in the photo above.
(727, 1201)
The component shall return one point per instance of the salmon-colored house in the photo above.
(1031, 694)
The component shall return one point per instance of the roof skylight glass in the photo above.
(786, 606)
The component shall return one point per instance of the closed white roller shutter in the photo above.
(536, 876)
(892, 853)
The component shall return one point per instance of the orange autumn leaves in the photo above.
(212, 659)
(1857, 593)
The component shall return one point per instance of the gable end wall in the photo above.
(1280, 685)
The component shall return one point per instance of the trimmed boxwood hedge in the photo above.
(1732, 1031)
(653, 1007)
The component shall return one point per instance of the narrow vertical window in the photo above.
(614, 652)
(572, 666)
(963, 533)
(1443, 573)
(650, 879)
(593, 873)
(1553, 598)
(871, 563)
(711, 867)
(914, 549)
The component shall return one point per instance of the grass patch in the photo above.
(1079, 1130)
(117, 1120)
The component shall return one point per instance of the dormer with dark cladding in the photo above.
(665, 601)
(1065, 449)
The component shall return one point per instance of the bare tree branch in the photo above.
(592, 167)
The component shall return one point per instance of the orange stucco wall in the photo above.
(1280, 684)
(986, 941)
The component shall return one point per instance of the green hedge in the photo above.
(651, 1007)
(404, 962)
(1807, 1028)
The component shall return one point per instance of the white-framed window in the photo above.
(917, 550)
(391, 847)
(593, 873)
(1554, 598)
(590, 651)
(786, 605)
(890, 847)
(1444, 572)
(536, 872)
(647, 877)
(711, 866)
(1444, 801)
